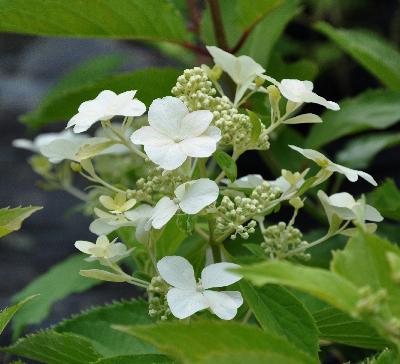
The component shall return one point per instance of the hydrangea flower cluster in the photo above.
(177, 186)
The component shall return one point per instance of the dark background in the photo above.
(30, 65)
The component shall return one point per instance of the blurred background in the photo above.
(30, 66)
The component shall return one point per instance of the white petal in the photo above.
(316, 99)
(105, 226)
(342, 199)
(196, 195)
(142, 212)
(372, 214)
(147, 135)
(249, 181)
(314, 155)
(203, 145)
(163, 211)
(60, 149)
(223, 304)
(177, 272)
(367, 177)
(294, 90)
(84, 246)
(24, 144)
(184, 303)
(168, 156)
(216, 275)
(166, 115)
(194, 124)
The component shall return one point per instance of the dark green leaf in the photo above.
(127, 19)
(359, 152)
(374, 109)
(7, 314)
(52, 348)
(11, 219)
(171, 238)
(60, 281)
(386, 198)
(277, 310)
(95, 325)
(216, 341)
(338, 327)
(371, 51)
(226, 163)
(151, 83)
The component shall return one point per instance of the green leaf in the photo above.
(60, 281)
(171, 238)
(190, 343)
(262, 40)
(364, 262)
(359, 152)
(372, 51)
(129, 19)
(7, 314)
(151, 82)
(304, 119)
(95, 326)
(52, 348)
(226, 163)
(237, 18)
(11, 219)
(136, 359)
(325, 285)
(336, 326)
(386, 198)
(277, 310)
(373, 109)
(386, 357)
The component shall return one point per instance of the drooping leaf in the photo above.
(373, 109)
(370, 50)
(338, 327)
(364, 262)
(7, 314)
(127, 19)
(151, 83)
(277, 310)
(359, 152)
(386, 198)
(226, 163)
(50, 347)
(95, 326)
(60, 281)
(11, 219)
(136, 359)
(323, 284)
(190, 343)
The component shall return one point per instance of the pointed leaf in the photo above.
(11, 219)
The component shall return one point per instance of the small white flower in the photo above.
(139, 218)
(175, 134)
(191, 198)
(301, 91)
(107, 222)
(249, 181)
(118, 204)
(105, 106)
(325, 163)
(54, 146)
(347, 208)
(187, 296)
(243, 70)
(103, 250)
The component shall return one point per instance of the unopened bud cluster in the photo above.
(157, 182)
(370, 302)
(197, 92)
(234, 213)
(281, 239)
(157, 292)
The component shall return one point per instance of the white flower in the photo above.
(301, 91)
(191, 198)
(139, 218)
(249, 181)
(325, 163)
(118, 204)
(107, 222)
(54, 146)
(347, 208)
(106, 105)
(243, 70)
(187, 296)
(175, 134)
(103, 250)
